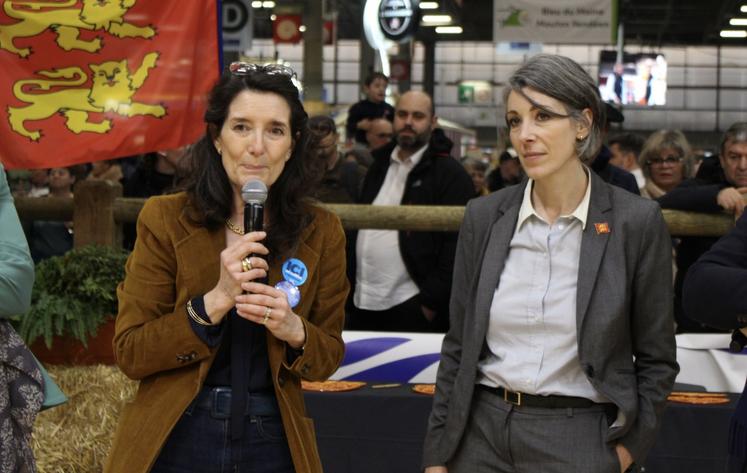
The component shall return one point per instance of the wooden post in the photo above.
(93, 215)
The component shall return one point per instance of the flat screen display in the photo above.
(640, 79)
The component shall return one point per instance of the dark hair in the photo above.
(628, 143)
(506, 156)
(373, 76)
(322, 125)
(208, 187)
(564, 80)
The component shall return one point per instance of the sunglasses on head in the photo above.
(245, 68)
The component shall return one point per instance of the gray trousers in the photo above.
(503, 438)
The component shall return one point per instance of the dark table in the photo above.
(382, 430)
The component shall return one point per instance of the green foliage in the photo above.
(74, 294)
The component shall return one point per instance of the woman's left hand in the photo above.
(268, 306)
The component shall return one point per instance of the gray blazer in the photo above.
(624, 313)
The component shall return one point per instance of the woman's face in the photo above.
(546, 144)
(667, 171)
(255, 141)
(60, 179)
(478, 178)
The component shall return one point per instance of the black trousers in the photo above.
(405, 317)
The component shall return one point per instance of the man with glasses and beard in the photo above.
(402, 279)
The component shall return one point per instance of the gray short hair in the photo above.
(737, 133)
(564, 80)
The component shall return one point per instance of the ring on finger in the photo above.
(246, 264)
(268, 311)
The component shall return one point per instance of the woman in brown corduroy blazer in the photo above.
(194, 283)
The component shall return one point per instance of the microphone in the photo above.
(254, 194)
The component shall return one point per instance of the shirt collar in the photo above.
(412, 160)
(581, 213)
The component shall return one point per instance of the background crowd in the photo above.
(356, 157)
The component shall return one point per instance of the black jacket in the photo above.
(715, 286)
(714, 293)
(694, 195)
(437, 179)
(612, 174)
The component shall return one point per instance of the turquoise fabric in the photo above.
(16, 267)
(53, 395)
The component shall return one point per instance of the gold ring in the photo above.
(246, 264)
(268, 311)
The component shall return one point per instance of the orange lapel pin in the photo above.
(602, 228)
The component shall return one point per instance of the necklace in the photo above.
(234, 228)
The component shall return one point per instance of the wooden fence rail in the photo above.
(98, 210)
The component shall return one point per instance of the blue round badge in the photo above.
(295, 271)
(291, 291)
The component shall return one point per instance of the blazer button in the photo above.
(305, 369)
(589, 371)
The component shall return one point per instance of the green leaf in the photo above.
(74, 294)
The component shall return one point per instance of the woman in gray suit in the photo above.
(561, 350)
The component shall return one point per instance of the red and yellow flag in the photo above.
(87, 80)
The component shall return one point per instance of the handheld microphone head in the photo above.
(254, 191)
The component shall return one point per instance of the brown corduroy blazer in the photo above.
(175, 260)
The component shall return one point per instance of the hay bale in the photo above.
(76, 436)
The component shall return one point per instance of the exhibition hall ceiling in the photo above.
(646, 22)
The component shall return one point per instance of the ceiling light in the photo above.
(449, 29)
(428, 5)
(738, 22)
(743, 9)
(273, 17)
(268, 4)
(257, 4)
(733, 34)
(302, 28)
(437, 19)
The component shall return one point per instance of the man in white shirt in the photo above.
(402, 280)
(625, 149)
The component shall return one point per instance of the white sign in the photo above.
(550, 21)
(237, 25)
(413, 358)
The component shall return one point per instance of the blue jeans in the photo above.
(202, 443)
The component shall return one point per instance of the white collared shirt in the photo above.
(532, 334)
(640, 179)
(381, 278)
